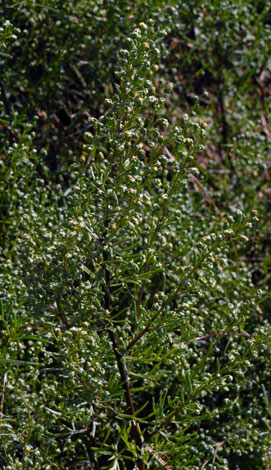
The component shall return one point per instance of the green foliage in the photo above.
(134, 323)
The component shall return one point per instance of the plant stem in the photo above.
(122, 367)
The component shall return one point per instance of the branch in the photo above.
(221, 333)
(15, 136)
(122, 367)
(4, 97)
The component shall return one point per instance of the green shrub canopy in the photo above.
(134, 234)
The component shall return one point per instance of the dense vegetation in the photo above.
(135, 234)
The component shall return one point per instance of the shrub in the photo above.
(131, 328)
